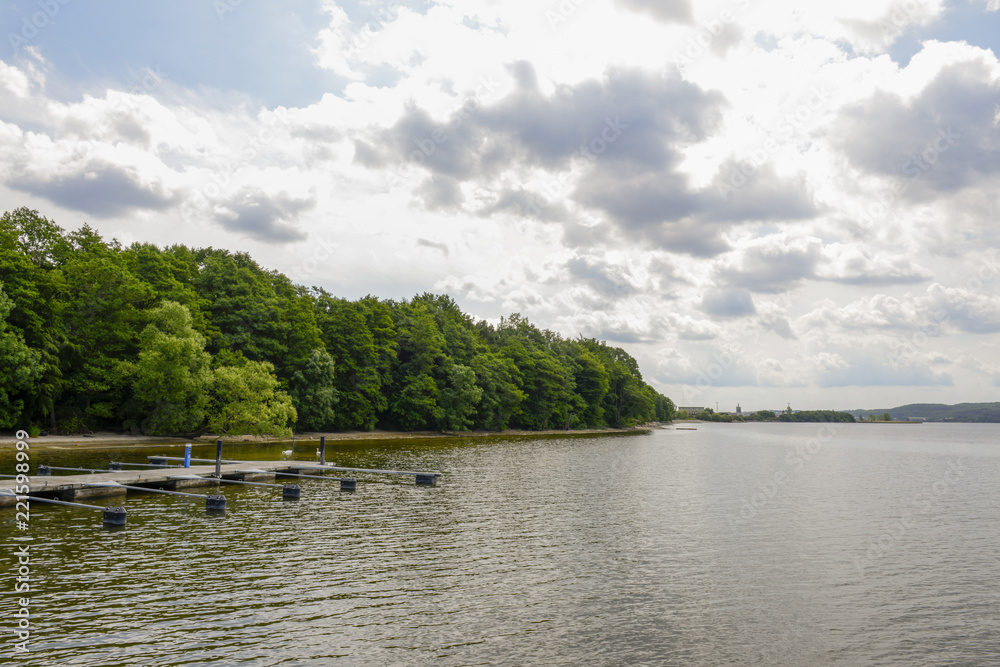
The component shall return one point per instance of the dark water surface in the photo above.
(786, 544)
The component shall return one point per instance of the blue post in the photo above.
(187, 455)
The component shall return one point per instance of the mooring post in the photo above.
(218, 457)
(43, 471)
(115, 466)
(348, 484)
(291, 492)
(187, 455)
(114, 516)
(322, 450)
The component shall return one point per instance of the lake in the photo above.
(783, 544)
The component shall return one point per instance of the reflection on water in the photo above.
(732, 544)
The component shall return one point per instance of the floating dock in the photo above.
(88, 486)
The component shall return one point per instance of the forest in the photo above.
(178, 340)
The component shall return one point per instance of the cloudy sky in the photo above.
(764, 201)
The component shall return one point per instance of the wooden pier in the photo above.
(76, 487)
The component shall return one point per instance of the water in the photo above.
(786, 544)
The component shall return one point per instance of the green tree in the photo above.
(31, 251)
(500, 381)
(361, 338)
(20, 366)
(421, 361)
(247, 400)
(314, 394)
(102, 314)
(459, 399)
(169, 382)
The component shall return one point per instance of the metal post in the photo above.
(187, 455)
(322, 450)
(218, 457)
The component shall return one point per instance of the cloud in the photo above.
(437, 246)
(96, 187)
(772, 264)
(729, 302)
(942, 140)
(871, 373)
(264, 217)
(667, 11)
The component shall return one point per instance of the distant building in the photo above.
(690, 411)
(739, 410)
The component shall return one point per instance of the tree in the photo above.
(361, 338)
(20, 366)
(246, 400)
(421, 362)
(170, 380)
(314, 394)
(500, 381)
(459, 398)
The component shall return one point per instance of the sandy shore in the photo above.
(99, 440)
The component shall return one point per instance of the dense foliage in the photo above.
(185, 340)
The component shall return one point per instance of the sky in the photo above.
(765, 202)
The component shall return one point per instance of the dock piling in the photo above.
(322, 450)
(218, 457)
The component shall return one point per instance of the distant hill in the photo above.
(938, 412)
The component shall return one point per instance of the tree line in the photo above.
(180, 340)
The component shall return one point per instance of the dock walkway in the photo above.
(86, 485)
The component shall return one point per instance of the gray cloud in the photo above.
(436, 246)
(764, 197)
(667, 11)
(729, 302)
(624, 134)
(942, 141)
(264, 217)
(98, 188)
(604, 277)
(773, 269)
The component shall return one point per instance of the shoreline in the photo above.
(103, 440)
